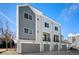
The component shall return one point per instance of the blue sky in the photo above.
(66, 14)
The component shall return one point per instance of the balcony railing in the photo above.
(47, 39)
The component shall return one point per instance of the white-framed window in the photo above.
(28, 31)
(25, 30)
(28, 16)
(46, 24)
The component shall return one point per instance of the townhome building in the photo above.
(36, 32)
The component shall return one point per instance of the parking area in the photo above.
(55, 53)
(10, 51)
(13, 52)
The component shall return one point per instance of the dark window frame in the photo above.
(38, 19)
(26, 15)
(30, 31)
(56, 28)
(46, 25)
(26, 30)
(56, 38)
(30, 17)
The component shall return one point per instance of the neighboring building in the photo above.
(74, 40)
(36, 32)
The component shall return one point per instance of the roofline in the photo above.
(23, 5)
(51, 20)
(41, 14)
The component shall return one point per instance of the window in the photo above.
(25, 30)
(56, 28)
(46, 37)
(46, 25)
(26, 15)
(37, 18)
(30, 31)
(56, 38)
(30, 17)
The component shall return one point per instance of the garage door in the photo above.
(55, 47)
(46, 47)
(30, 48)
(64, 48)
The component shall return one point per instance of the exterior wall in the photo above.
(38, 27)
(26, 23)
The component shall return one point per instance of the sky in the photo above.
(66, 14)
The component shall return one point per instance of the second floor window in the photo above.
(25, 30)
(56, 28)
(56, 38)
(28, 31)
(46, 25)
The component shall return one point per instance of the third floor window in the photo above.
(46, 25)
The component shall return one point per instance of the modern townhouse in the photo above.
(36, 32)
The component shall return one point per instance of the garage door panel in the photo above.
(46, 47)
(55, 47)
(64, 48)
(30, 48)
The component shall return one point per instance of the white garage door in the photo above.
(56, 47)
(46, 47)
(64, 48)
(30, 48)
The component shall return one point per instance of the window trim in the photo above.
(24, 30)
(45, 25)
(57, 28)
(28, 15)
(56, 37)
(28, 30)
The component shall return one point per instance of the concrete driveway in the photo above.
(55, 53)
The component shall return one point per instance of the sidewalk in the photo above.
(2, 50)
(10, 51)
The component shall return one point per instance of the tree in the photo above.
(7, 35)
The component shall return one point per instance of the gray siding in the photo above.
(30, 48)
(46, 47)
(26, 23)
